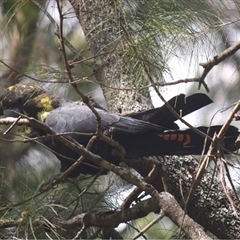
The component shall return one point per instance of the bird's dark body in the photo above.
(139, 138)
(147, 133)
(81, 124)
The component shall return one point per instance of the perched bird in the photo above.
(148, 133)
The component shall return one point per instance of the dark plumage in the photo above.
(141, 134)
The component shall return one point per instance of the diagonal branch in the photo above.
(215, 145)
(216, 60)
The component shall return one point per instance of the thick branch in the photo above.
(207, 206)
(114, 218)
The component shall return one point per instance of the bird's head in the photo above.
(28, 99)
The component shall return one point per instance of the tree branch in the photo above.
(216, 60)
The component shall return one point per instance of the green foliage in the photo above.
(135, 41)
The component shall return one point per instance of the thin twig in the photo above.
(152, 223)
(224, 185)
(57, 29)
(216, 60)
(136, 191)
(230, 180)
(175, 114)
(12, 125)
(99, 133)
(210, 154)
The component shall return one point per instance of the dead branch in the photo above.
(216, 60)
(215, 146)
(111, 219)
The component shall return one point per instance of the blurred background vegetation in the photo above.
(122, 51)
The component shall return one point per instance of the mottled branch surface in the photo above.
(209, 206)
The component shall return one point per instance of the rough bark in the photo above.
(103, 23)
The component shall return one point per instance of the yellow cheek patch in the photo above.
(42, 116)
(46, 103)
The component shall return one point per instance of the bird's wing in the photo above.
(72, 117)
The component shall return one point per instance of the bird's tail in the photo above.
(176, 142)
(183, 105)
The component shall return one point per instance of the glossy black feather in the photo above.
(151, 132)
(181, 104)
(139, 138)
